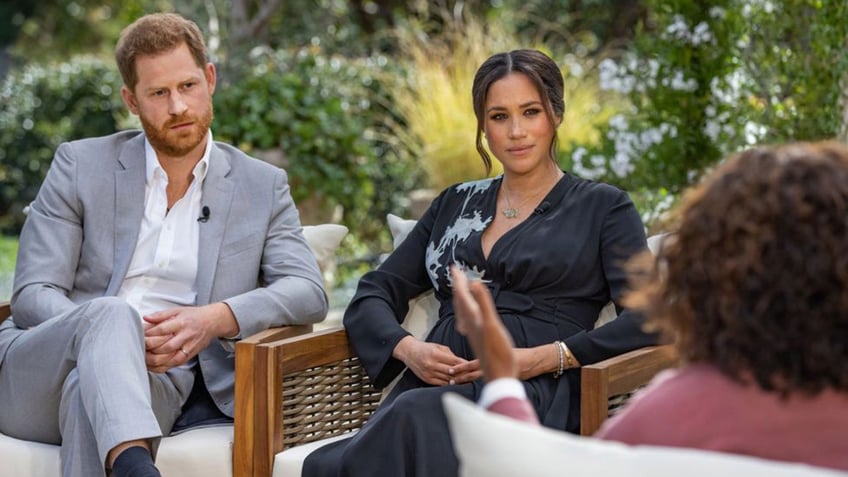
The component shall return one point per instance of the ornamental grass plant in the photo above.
(435, 97)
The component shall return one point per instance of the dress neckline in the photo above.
(552, 198)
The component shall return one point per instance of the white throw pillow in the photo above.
(423, 309)
(324, 239)
(491, 445)
(400, 228)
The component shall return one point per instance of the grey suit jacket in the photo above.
(81, 231)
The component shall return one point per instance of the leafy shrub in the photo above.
(328, 123)
(8, 253)
(706, 81)
(40, 107)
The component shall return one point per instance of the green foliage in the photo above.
(8, 254)
(57, 29)
(668, 78)
(40, 107)
(326, 117)
(706, 79)
(794, 54)
(586, 26)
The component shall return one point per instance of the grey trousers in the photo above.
(80, 380)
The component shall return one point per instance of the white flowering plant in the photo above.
(705, 79)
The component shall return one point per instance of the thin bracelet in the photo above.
(568, 356)
(561, 364)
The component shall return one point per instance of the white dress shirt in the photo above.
(499, 389)
(163, 270)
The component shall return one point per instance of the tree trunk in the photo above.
(5, 63)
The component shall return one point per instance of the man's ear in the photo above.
(129, 99)
(211, 77)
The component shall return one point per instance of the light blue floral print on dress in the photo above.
(467, 222)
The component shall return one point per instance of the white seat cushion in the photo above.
(199, 452)
(30, 459)
(491, 445)
(206, 452)
(289, 463)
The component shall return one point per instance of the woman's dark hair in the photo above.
(755, 278)
(542, 72)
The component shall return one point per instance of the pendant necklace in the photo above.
(511, 212)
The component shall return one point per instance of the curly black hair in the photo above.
(755, 278)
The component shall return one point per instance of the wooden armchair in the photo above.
(315, 388)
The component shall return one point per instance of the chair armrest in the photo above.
(251, 367)
(5, 310)
(309, 387)
(617, 376)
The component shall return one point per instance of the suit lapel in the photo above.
(218, 196)
(129, 208)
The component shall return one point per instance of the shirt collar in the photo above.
(152, 161)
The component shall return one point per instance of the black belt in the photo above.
(549, 311)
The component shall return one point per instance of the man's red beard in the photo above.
(178, 143)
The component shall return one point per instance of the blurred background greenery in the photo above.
(367, 103)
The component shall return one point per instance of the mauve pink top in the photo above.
(699, 407)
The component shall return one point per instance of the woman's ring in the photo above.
(452, 382)
(184, 351)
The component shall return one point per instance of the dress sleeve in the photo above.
(622, 236)
(374, 316)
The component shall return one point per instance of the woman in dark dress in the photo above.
(549, 246)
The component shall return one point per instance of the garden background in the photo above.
(367, 104)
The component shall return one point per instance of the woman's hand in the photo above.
(532, 362)
(433, 363)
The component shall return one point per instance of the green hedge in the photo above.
(40, 107)
(332, 122)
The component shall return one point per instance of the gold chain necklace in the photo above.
(511, 212)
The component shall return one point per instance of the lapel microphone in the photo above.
(204, 214)
(542, 208)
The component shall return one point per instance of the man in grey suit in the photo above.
(143, 258)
